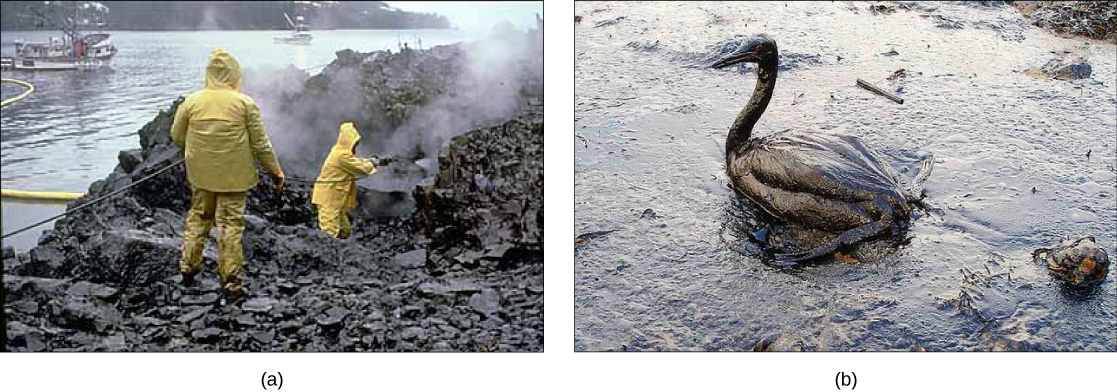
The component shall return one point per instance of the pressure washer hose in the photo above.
(30, 88)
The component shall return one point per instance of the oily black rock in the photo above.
(486, 203)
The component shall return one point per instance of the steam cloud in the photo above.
(495, 77)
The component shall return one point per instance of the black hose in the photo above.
(315, 181)
(97, 200)
(299, 180)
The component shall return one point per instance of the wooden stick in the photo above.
(877, 90)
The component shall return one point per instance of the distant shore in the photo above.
(227, 15)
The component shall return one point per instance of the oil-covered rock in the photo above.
(486, 203)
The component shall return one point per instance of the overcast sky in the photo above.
(474, 16)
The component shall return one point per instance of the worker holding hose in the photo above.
(223, 135)
(335, 191)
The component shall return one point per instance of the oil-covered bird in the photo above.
(816, 180)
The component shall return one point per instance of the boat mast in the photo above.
(67, 16)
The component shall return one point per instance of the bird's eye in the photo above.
(758, 48)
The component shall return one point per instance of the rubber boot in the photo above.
(234, 298)
(188, 280)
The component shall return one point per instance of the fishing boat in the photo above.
(296, 38)
(74, 50)
(9, 63)
(299, 36)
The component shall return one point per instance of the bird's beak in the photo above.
(733, 59)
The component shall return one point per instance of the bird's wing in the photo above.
(834, 166)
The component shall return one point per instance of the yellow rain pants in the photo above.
(334, 221)
(226, 209)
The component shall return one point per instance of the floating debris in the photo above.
(899, 74)
(784, 342)
(798, 99)
(1065, 67)
(944, 22)
(1077, 262)
(877, 90)
(644, 47)
(881, 9)
(582, 240)
(609, 22)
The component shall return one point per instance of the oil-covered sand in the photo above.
(651, 122)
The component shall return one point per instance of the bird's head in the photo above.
(759, 49)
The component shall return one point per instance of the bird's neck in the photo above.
(741, 130)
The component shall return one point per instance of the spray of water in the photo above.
(488, 91)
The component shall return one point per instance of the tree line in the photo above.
(230, 15)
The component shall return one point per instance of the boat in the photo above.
(296, 38)
(299, 36)
(74, 50)
(29, 64)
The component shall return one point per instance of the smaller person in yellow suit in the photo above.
(223, 136)
(335, 190)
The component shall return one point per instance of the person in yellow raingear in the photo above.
(222, 133)
(335, 190)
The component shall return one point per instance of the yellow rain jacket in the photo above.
(335, 191)
(222, 132)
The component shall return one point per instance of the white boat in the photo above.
(300, 36)
(297, 38)
(30, 64)
(74, 51)
(92, 46)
